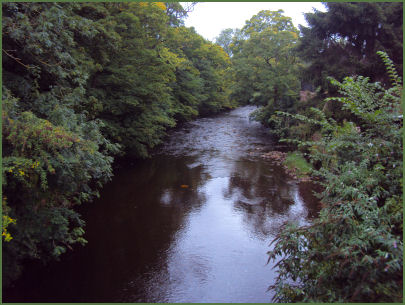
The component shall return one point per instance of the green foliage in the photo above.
(153, 78)
(295, 160)
(344, 40)
(202, 83)
(176, 12)
(225, 40)
(353, 251)
(82, 83)
(54, 155)
(132, 86)
(265, 65)
(6, 221)
(46, 171)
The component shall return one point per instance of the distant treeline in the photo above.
(281, 68)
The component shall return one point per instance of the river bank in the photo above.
(150, 239)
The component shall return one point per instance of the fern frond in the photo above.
(392, 72)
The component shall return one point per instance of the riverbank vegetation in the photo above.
(349, 127)
(354, 250)
(84, 83)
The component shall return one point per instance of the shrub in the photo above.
(353, 251)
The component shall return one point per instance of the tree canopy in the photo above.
(264, 62)
(344, 40)
(84, 83)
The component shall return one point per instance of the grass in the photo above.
(296, 162)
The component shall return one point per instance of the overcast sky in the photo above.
(210, 18)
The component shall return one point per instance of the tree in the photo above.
(177, 12)
(354, 251)
(344, 40)
(201, 85)
(54, 155)
(83, 83)
(133, 83)
(224, 39)
(265, 63)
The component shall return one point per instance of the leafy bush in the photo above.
(46, 171)
(353, 251)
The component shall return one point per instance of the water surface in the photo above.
(191, 224)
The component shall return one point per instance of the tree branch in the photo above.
(17, 60)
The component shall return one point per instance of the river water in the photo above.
(191, 224)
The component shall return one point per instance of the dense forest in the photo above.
(87, 83)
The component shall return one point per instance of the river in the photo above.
(191, 224)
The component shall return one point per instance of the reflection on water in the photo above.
(192, 224)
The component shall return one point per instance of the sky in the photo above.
(210, 18)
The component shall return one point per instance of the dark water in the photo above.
(152, 240)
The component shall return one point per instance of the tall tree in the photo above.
(133, 84)
(265, 64)
(344, 40)
(224, 39)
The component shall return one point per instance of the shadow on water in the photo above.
(129, 230)
(191, 224)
